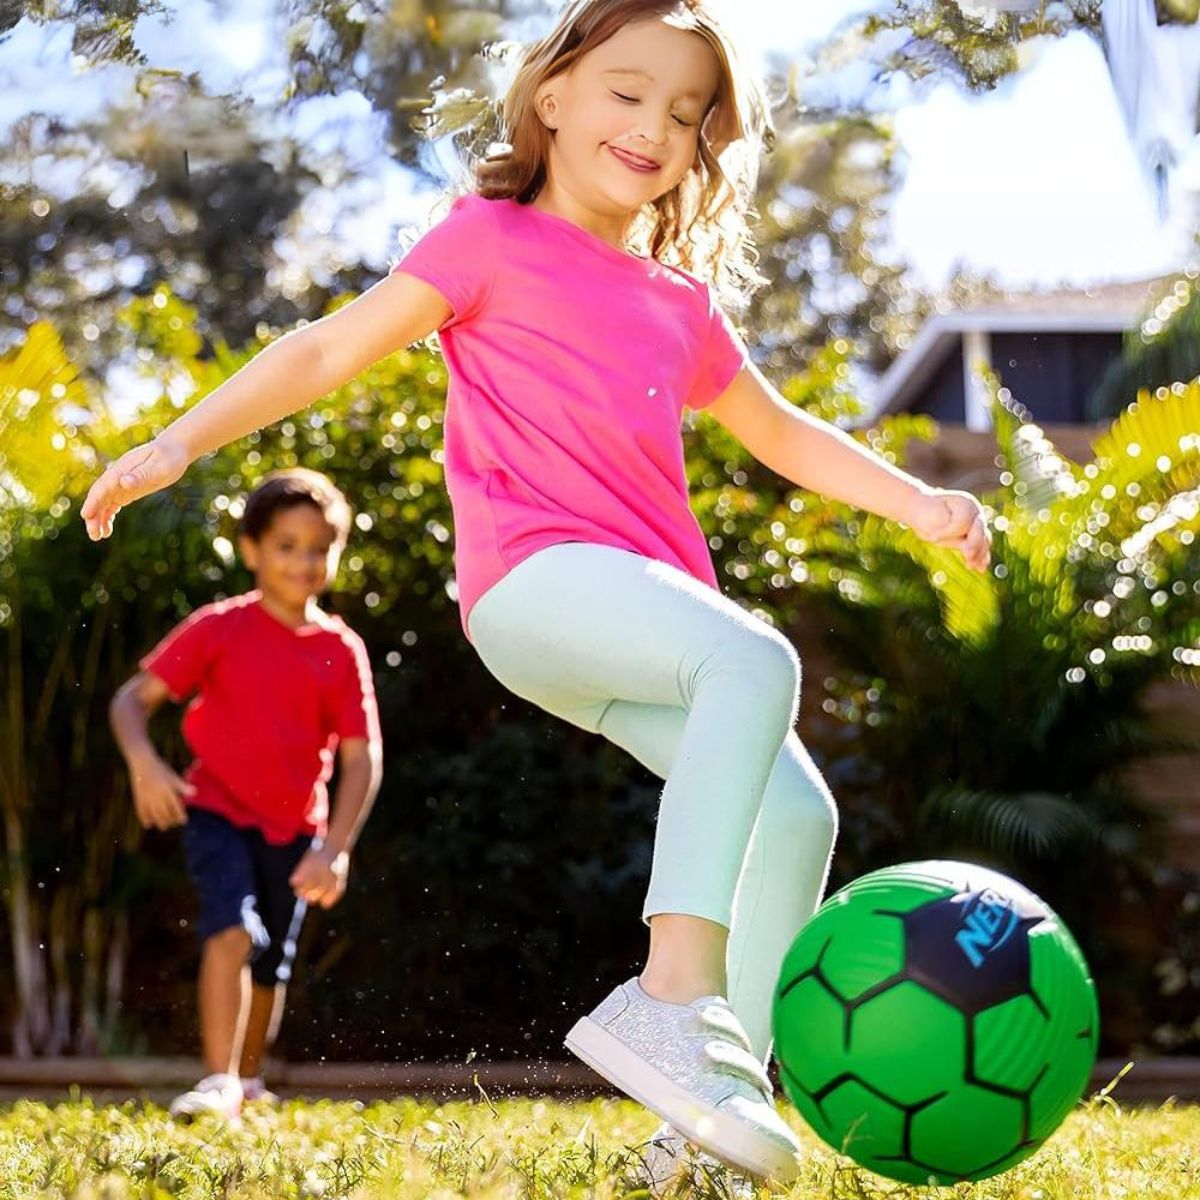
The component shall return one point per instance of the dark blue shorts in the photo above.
(241, 880)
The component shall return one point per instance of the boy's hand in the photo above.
(158, 793)
(953, 519)
(320, 876)
(137, 473)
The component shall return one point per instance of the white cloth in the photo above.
(1156, 75)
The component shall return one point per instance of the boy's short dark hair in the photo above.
(286, 489)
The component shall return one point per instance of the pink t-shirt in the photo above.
(571, 362)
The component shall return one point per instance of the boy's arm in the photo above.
(320, 877)
(360, 771)
(816, 455)
(157, 790)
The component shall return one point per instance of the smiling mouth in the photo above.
(635, 162)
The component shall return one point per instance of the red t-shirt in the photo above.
(271, 704)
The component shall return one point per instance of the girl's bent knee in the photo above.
(808, 816)
(773, 666)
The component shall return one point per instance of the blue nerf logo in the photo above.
(988, 922)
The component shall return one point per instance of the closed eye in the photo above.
(627, 99)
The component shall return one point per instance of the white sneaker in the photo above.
(692, 1065)
(255, 1091)
(668, 1164)
(218, 1094)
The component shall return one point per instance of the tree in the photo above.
(1162, 349)
(977, 44)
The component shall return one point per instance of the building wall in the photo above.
(1053, 374)
(943, 397)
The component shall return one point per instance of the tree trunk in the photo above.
(118, 957)
(31, 1020)
(31, 1024)
(88, 1037)
(62, 924)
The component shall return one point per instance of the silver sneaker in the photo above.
(668, 1164)
(692, 1065)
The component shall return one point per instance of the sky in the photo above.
(1029, 183)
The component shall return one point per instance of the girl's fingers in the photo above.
(979, 546)
(123, 481)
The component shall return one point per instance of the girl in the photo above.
(576, 295)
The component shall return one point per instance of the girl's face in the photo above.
(627, 116)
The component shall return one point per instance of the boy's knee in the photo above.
(232, 942)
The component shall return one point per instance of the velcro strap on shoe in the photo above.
(719, 1019)
(733, 1060)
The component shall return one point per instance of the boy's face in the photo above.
(295, 556)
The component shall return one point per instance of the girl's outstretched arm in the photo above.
(816, 455)
(287, 376)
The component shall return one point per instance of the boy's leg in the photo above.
(221, 869)
(262, 1027)
(283, 915)
(222, 996)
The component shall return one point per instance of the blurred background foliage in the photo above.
(993, 718)
(989, 717)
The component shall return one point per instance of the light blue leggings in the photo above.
(705, 696)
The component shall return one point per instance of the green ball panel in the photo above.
(898, 889)
(809, 1030)
(861, 1124)
(909, 1044)
(1058, 970)
(1061, 980)
(1059, 1090)
(1012, 1044)
(964, 1132)
(868, 949)
(815, 939)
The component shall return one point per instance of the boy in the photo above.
(279, 685)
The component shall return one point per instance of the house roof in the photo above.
(1111, 308)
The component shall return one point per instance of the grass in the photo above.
(520, 1149)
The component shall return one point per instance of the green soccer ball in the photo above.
(935, 1022)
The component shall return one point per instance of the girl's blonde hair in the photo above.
(701, 224)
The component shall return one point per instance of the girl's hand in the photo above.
(953, 519)
(137, 473)
(320, 877)
(158, 793)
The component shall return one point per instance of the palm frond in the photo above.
(37, 380)
(1041, 474)
(1154, 443)
(1036, 824)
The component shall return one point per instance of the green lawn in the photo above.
(510, 1148)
